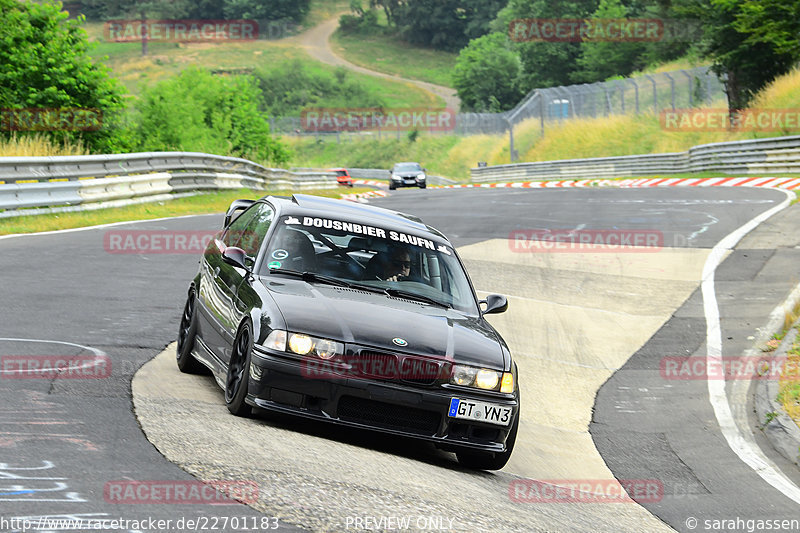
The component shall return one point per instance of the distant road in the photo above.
(317, 42)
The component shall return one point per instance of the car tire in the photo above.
(238, 377)
(187, 333)
(392, 186)
(490, 460)
(423, 185)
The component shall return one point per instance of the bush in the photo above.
(487, 73)
(200, 112)
(289, 88)
(362, 23)
(46, 65)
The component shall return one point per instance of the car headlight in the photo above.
(302, 344)
(487, 379)
(421, 176)
(463, 375)
(482, 378)
(396, 177)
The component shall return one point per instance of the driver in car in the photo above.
(391, 265)
(398, 267)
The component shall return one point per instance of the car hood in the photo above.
(408, 173)
(373, 320)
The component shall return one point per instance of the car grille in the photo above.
(389, 416)
(393, 367)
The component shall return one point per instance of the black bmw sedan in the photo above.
(407, 175)
(353, 315)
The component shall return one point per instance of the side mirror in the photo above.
(495, 303)
(236, 257)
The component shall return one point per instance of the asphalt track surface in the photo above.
(62, 441)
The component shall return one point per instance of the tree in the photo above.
(486, 74)
(445, 24)
(390, 7)
(545, 64)
(295, 10)
(198, 111)
(748, 43)
(772, 22)
(197, 9)
(600, 60)
(46, 65)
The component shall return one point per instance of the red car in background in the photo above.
(343, 177)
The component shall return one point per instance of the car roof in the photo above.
(304, 204)
(407, 163)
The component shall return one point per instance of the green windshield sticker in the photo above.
(274, 264)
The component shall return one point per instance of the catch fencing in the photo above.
(649, 93)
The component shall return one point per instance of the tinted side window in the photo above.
(256, 230)
(235, 231)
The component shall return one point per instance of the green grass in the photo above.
(384, 52)
(166, 60)
(216, 202)
(789, 384)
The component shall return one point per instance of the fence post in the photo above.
(541, 112)
(691, 87)
(655, 92)
(635, 92)
(671, 88)
(511, 151)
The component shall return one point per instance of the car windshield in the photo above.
(407, 167)
(415, 266)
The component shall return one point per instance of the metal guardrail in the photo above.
(70, 183)
(774, 154)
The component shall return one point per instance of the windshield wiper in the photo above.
(311, 276)
(414, 296)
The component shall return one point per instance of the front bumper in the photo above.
(408, 182)
(278, 383)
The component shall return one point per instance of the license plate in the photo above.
(410, 181)
(480, 411)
